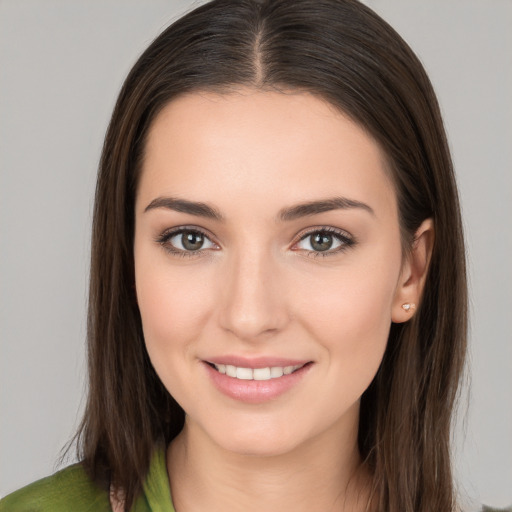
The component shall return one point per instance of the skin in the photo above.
(255, 289)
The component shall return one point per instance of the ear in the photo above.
(414, 273)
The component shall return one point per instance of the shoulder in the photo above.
(69, 489)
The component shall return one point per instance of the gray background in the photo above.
(62, 63)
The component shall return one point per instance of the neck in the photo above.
(325, 473)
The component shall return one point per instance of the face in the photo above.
(264, 319)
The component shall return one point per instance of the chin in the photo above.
(262, 440)
(262, 447)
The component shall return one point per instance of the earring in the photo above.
(409, 306)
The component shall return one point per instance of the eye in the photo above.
(325, 242)
(185, 241)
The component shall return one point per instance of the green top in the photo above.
(71, 489)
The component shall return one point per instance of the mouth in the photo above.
(261, 374)
(256, 380)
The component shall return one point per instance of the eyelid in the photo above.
(346, 239)
(167, 234)
(323, 229)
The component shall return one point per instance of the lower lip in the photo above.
(255, 391)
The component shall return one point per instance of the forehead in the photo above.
(261, 146)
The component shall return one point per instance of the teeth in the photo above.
(261, 373)
(257, 373)
(276, 372)
(244, 373)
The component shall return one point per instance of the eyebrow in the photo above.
(289, 213)
(185, 206)
(320, 206)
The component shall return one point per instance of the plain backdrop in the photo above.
(62, 63)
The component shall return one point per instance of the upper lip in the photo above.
(256, 362)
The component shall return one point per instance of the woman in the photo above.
(277, 309)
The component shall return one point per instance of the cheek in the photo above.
(351, 319)
(356, 299)
(172, 306)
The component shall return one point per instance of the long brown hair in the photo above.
(343, 52)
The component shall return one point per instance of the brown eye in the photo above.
(191, 240)
(324, 242)
(185, 242)
(321, 241)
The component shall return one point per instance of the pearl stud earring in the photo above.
(409, 306)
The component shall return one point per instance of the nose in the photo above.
(253, 305)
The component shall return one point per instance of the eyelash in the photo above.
(346, 240)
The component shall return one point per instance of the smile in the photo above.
(274, 372)
(257, 380)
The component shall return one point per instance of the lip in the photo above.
(256, 362)
(255, 391)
